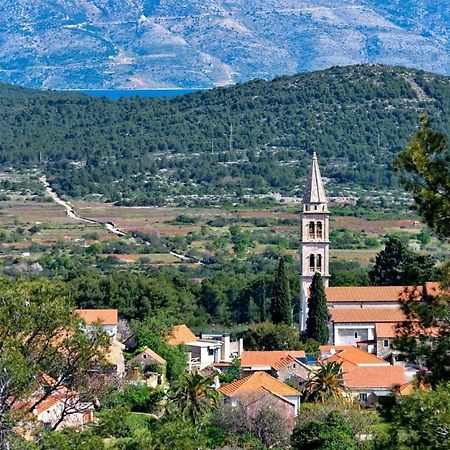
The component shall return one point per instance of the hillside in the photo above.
(145, 151)
(63, 44)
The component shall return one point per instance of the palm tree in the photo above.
(195, 396)
(325, 382)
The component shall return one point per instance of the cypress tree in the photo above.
(281, 300)
(317, 322)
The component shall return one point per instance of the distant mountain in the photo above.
(250, 138)
(67, 44)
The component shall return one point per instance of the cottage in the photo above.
(241, 390)
(148, 366)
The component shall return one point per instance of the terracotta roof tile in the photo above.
(386, 330)
(351, 315)
(380, 377)
(275, 359)
(181, 334)
(371, 293)
(350, 354)
(256, 381)
(102, 316)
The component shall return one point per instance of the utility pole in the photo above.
(231, 137)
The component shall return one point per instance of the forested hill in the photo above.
(140, 150)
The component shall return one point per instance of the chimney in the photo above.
(225, 350)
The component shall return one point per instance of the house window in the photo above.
(356, 335)
(385, 342)
(144, 356)
(363, 397)
(210, 351)
(294, 366)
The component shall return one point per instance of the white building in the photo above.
(107, 319)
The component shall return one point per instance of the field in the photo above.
(31, 225)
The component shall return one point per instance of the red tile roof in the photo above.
(386, 330)
(275, 359)
(381, 377)
(181, 334)
(371, 293)
(352, 315)
(255, 382)
(102, 316)
(350, 354)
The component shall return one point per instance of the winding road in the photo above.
(72, 213)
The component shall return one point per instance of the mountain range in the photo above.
(138, 44)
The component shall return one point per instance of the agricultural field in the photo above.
(32, 226)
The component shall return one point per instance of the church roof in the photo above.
(314, 191)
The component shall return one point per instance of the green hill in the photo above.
(142, 151)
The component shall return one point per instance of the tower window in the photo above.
(311, 263)
(312, 230)
(319, 230)
(319, 263)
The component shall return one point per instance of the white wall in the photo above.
(344, 334)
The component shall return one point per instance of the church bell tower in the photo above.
(315, 245)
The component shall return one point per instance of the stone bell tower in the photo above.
(315, 245)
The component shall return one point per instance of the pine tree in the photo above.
(317, 322)
(281, 299)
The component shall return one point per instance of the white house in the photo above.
(205, 352)
(107, 319)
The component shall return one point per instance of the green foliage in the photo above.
(269, 336)
(71, 439)
(325, 382)
(332, 433)
(281, 308)
(194, 396)
(344, 238)
(348, 273)
(421, 420)
(139, 398)
(426, 337)
(136, 295)
(424, 236)
(152, 333)
(317, 321)
(397, 265)
(425, 165)
(32, 317)
(232, 373)
(123, 140)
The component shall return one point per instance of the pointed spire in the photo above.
(315, 191)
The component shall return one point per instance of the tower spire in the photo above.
(315, 190)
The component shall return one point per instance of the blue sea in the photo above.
(154, 93)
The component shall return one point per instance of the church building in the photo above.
(363, 316)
